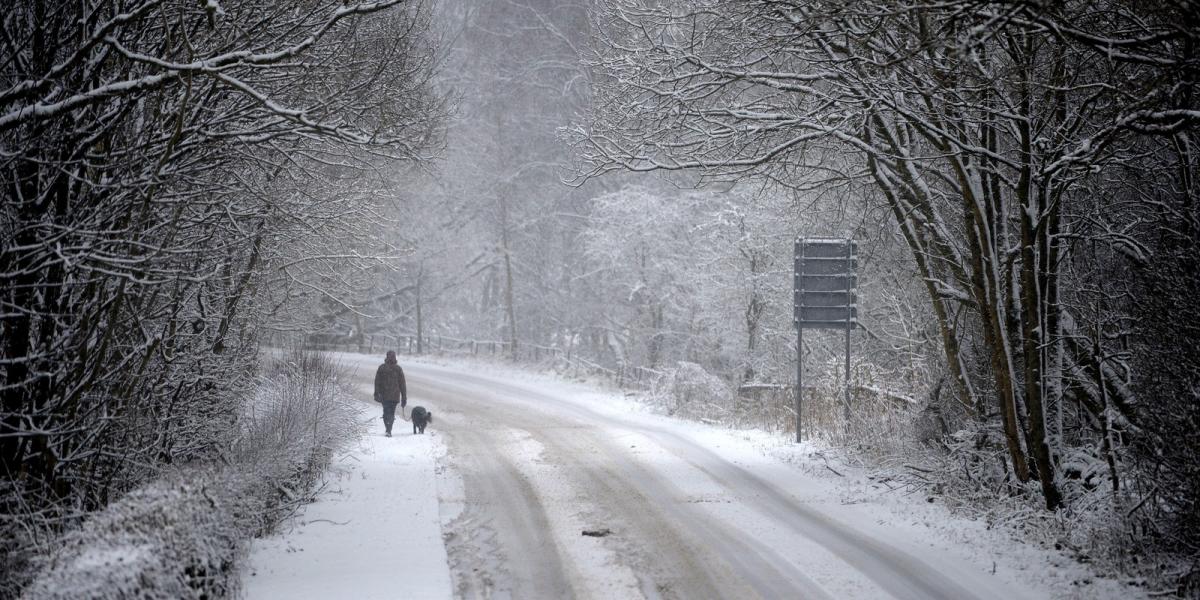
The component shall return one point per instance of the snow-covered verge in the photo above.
(1097, 533)
(185, 534)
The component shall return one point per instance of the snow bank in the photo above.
(176, 538)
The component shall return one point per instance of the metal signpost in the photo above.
(825, 285)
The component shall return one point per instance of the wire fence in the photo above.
(623, 375)
(770, 406)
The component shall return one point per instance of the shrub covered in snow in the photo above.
(181, 536)
(687, 390)
(175, 538)
(300, 414)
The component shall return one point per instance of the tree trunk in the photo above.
(1034, 335)
(510, 310)
(1035, 273)
(420, 320)
(986, 288)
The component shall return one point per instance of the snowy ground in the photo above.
(493, 501)
(373, 533)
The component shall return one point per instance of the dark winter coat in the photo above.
(389, 384)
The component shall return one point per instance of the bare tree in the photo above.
(163, 163)
(984, 127)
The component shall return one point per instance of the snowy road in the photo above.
(538, 467)
(494, 500)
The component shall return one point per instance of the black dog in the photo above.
(420, 418)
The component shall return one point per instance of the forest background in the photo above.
(614, 188)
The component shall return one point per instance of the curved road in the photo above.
(674, 518)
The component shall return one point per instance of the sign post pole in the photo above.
(799, 377)
(846, 401)
(799, 291)
(850, 258)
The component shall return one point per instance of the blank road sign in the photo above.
(824, 247)
(835, 283)
(826, 314)
(840, 299)
(825, 281)
(826, 266)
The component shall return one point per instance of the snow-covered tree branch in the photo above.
(989, 131)
(170, 171)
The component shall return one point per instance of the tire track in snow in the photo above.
(502, 524)
(685, 553)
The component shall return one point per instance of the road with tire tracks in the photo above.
(668, 516)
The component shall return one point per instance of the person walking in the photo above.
(390, 390)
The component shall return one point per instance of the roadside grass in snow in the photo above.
(962, 465)
(300, 418)
(688, 391)
(185, 534)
